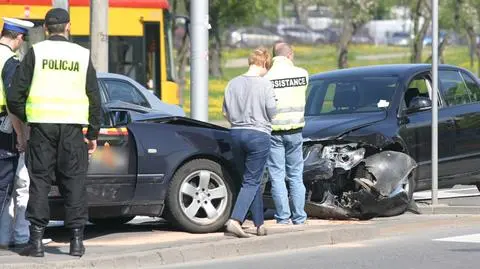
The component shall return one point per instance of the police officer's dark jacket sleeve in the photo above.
(93, 94)
(8, 71)
(17, 94)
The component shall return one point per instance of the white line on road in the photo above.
(448, 193)
(471, 238)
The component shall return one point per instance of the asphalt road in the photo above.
(443, 248)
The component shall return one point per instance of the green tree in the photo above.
(383, 8)
(419, 9)
(355, 14)
(449, 21)
(301, 9)
(222, 14)
(225, 13)
(468, 17)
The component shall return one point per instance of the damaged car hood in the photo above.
(332, 126)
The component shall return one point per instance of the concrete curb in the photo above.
(216, 249)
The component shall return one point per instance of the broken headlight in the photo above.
(344, 156)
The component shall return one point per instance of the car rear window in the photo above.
(349, 95)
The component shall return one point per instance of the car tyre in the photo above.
(111, 222)
(478, 186)
(200, 197)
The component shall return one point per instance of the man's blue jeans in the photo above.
(251, 149)
(285, 163)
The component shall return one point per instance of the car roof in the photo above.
(379, 70)
(111, 75)
(153, 100)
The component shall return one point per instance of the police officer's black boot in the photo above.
(34, 247)
(76, 242)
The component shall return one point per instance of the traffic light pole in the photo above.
(99, 34)
(199, 59)
(435, 103)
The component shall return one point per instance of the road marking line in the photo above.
(448, 193)
(471, 238)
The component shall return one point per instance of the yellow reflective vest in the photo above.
(58, 89)
(5, 55)
(290, 85)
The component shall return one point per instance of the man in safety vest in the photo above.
(12, 138)
(55, 90)
(286, 158)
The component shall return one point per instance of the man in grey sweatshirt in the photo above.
(249, 105)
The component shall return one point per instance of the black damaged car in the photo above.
(367, 137)
(153, 161)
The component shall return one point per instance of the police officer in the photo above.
(286, 158)
(55, 90)
(13, 34)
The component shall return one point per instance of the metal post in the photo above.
(99, 34)
(435, 103)
(199, 58)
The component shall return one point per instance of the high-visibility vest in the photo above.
(58, 89)
(290, 85)
(5, 55)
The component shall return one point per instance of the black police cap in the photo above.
(57, 16)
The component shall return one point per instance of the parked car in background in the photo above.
(362, 37)
(399, 39)
(250, 37)
(299, 34)
(116, 87)
(332, 35)
(427, 41)
(368, 141)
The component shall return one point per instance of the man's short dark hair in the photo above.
(282, 49)
(56, 28)
(10, 34)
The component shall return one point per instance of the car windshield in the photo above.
(349, 95)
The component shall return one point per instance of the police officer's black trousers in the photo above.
(57, 152)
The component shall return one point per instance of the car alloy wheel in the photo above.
(203, 197)
(200, 196)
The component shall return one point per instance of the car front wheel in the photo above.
(200, 197)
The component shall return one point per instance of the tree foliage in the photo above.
(222, 15)
(355, 14)
(225, 13)
(468, 18)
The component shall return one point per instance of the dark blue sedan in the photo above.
(151, 162)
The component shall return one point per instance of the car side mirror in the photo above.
(419, 103)
(120, 117)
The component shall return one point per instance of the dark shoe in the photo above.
(233, 227)
(34, 247)
(76, 242)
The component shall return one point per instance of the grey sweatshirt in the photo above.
(250, 103)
